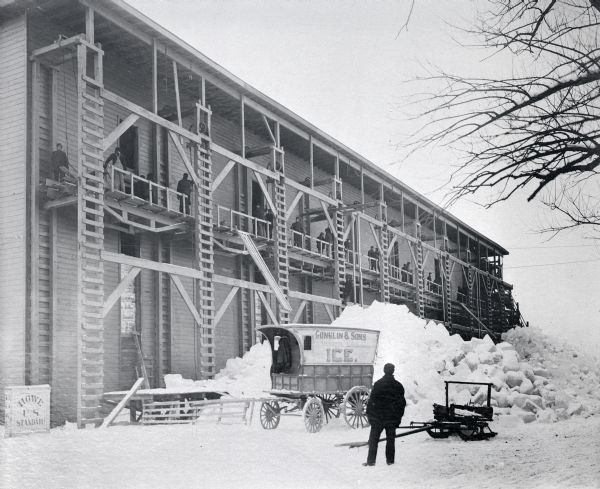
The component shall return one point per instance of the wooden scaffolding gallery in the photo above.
(198, 210)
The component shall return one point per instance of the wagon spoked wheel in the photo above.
(313, 415)
(269, 415)
(331, 405)
(355, 407)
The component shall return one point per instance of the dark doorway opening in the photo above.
(128, 143)
(258, 200)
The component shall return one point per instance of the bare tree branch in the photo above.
(525, 132)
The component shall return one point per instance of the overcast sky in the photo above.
(342, 65)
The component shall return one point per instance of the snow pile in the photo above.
(533, 378)
(242, 377)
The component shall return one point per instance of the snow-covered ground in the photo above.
(558, 455)
(546, 394)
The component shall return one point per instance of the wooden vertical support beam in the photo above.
(155, 127)
(53, 288)
(243, 126)
(478, 289)
(358, 257)
(203, 91)
(402, 210)
(417, 222)
(158, 311)
(154, 77)
(362, 184)
(33, 228)
(89, 25)
(434, 230)
(278, 134)
(177, 99)
(311, 161)
(53, 108)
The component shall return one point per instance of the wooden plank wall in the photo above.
(13, 218)
(112, 328)
(64, 346)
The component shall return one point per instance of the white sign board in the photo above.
(27, 409)
(339, 346)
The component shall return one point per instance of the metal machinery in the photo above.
(468, 421)
(321, 372)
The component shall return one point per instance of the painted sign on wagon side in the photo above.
(27, 409)
(339, 346)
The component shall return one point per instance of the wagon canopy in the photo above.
(321, 344)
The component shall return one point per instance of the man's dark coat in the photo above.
(386, 402)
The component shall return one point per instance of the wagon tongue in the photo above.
(357, 444)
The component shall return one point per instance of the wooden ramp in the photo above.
(262, 266)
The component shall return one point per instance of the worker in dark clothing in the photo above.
(377, 257)
(329, 239)
(385, 410)
(112, 163)
(270, 217)
(348, 249)
(298, 232)
(59, 163)
(184, 186)
(321, 246)
(372, 260)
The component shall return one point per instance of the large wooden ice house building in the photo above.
(105, 264)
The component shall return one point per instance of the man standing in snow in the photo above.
(385, 410)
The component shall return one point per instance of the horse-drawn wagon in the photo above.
(320, 371)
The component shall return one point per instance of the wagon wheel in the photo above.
(331, 405)
(355, 407)
(313, 415)
(269, 415)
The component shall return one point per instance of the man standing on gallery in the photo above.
(385, 410)
(184, 187)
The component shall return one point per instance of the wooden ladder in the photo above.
(245, 311)
(447, 263)
(90, 238)
(164, 304)
(488, 294)
(384, 265)
(281, 248)
(470, 298)
(340, 255)
(419, 271)
(204, 243)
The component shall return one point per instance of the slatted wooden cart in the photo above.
(320, 371)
